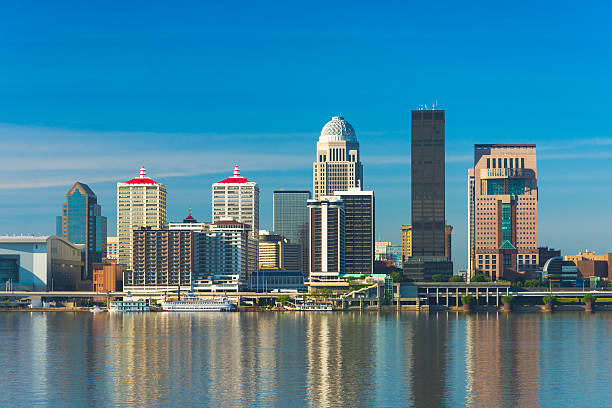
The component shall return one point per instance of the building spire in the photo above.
(236, 171)
(143, 172)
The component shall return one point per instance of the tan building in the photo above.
(591, 264)
(406, 242)
(141, 202)
(112, 248)
(338, 166)
(503, 208)
(276, 252)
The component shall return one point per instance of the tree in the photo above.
(153, 302)
(588, 298)
(439, 278)
(549, 299)
(534, 283)
(480, 278)
(467, 300)
(456, 278)
(282, 299)
(507, 299)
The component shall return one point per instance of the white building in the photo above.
(39, 263)
(326, 239)
(237, 198)
(112, 247)
(141, 202)
(338, 166)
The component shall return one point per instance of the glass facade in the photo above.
(290, 219)
(9, 268)
(495, 186)
(506, 222)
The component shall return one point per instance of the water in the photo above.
(305, 359)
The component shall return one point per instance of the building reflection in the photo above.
(502, 359)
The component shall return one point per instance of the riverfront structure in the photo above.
(82, 224)
(290, 219)
(338, 166)
(39, 263)
(141, 202)
(326, 235)
(428, 234)
(359, 230)
(502, 203)
(236, 198)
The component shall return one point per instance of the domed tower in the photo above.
(338, 166)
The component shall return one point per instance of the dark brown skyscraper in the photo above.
(427, 130)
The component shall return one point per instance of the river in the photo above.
(293, 359)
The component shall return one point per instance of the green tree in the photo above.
(507, 299)
(467, 300)
(534, 283)
(549, 299)
(282, 299)
(439, 278)
(588, 298)
(153, 302)
(480, 278)
(456, 278)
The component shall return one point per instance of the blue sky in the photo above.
(93, 90)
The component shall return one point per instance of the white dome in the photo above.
(337, 130)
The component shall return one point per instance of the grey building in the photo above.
(290, 219)
(359, 230)
(326, 236)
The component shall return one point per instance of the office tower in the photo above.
(291, 219)
(326, 235)
(406, 242)
(161, 258)
(141, 202)
(448, 243)
(386, 251)
(237, 198)
(505, 217)
(232, 271)
(276, 252)
(112, 248)
(82, 224)
(359, 230)
(427, 130)
(338, 165)
(429, 255)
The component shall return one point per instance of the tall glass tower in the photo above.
(290, 219)
(82, 223)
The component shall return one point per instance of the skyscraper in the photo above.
(429, 255)
(290, 219)
(428, 205)
(141, 202)
(82, 223)
(504, 200)
(236, 198)
(338, 166)
(406, 242)
(359, 230)
(326, 235)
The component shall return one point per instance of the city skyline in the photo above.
(166, 102)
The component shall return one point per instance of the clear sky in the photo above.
(91, 91)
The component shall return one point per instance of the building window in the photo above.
(507, 261)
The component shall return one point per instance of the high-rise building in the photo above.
(290, 220)
(359, 230)
(428, 196)
(406, 242)
(112, 248)
(276, 252)
(338, 166)
(237, 198)
(161, 258)
(505, 214)
(326, 236)
(82, 224)
(471, 225)
(230, 268)
(141, 202)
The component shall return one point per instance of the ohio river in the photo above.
(339, 359)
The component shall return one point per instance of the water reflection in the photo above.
(304, 359)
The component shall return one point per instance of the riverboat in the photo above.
(315, 307)
(198, 305)
(128, 306)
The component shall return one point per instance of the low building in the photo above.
(276, 252)
(560, 273)
(386, 251)
(590, 262)
(39, 263)
(108, 277)
(267, 280)
(546, 253)
(423, 268)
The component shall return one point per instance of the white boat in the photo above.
(128, 306)
(315, 307)
(97, 309)
(198, 305)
